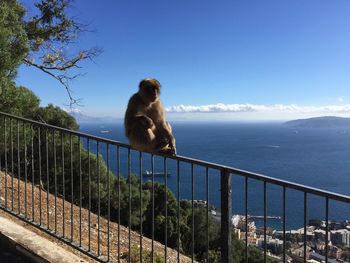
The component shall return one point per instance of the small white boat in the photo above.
(149, 173)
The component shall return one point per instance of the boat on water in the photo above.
(149, 173)
(267, 217)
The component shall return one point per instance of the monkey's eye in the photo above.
(154, 90)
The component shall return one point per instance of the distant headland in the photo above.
(320, 122)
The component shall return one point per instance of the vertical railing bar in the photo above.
(12, 165)
(226, 212)
(1, 166)
(246, 218)
(80, 192)
(265, 216)
(166, 210)
(152, 169)
(118, 174)
(40, 183)
(327, 227)
(25, 171)
(47, 180)
(18, 171)
(63, 187)
(129, 223)
(89, 182)
(6, 164)
(72, 188)
(33, 174)
(108, 204)
(55, 174)
(178, 209)
(207, 212)
(305, 230)
(99, 198)
(284, 224)
(141, 217)
(192, 225)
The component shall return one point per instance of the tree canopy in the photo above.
(13, 39)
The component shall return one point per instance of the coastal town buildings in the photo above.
(338, 240)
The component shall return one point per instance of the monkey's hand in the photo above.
(173, 145)
(172, 149)
(168, 150)
(162, 143)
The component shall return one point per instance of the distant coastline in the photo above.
(320, 122)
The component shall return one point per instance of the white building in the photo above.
(340, 236)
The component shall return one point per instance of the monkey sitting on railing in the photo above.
(145, 124)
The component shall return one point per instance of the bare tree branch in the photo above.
(49, 34)
(63, 79)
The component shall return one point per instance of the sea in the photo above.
(315, 157)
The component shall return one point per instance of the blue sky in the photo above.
(246, 55)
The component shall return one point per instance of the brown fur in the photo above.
(145, 124)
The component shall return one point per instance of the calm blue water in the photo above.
(313, 157)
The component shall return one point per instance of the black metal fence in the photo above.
(94, 194)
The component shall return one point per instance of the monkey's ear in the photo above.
(157, 82)
(142, 83)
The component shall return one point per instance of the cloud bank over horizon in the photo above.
(258, 108)
(228, 112)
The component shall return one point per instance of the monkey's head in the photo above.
(149, 89)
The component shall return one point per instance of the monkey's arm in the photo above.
(166, 131)
(163, 127)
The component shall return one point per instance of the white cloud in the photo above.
(241, 108)
(72, 110)
(341, 98)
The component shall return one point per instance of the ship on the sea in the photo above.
(149, 173)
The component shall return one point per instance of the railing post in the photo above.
(226, 214)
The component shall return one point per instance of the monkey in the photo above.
(145, 123)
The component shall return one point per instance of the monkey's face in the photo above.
(150, 90)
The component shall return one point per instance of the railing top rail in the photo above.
(291, 185)
(252, 175)
(81, 134)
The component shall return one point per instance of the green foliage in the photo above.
(146, 256)
(159, 214)
(200, 230)
(18, 101)
(254, 254)
(214, 256)
(56, 116)
(134, 184)
(13, 39)
(52, 24)
(22, 102)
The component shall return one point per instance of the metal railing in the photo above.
(90, 193)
